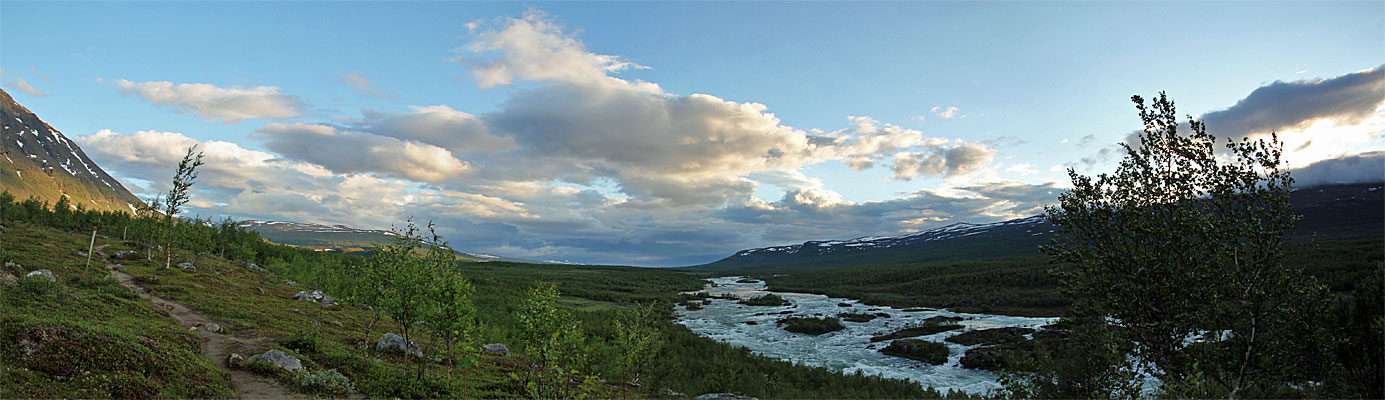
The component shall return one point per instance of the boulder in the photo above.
(7, 280)
(279, 359)
(119, 267)
(235, 360)
(212, 327)
(395, 343)
(291, 283)
(302, 295)
(124, 255)
(671, 393)
(723, 396)
(15, 265)
(187, 265)
(496, 348)
(42, 273)
(984, 358)
(843, 304)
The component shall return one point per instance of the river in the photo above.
(848, 350)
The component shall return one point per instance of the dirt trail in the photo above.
(216, 346)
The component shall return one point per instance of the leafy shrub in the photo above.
(327, 381)
(812, 326)
(922, 350)
(303, 341)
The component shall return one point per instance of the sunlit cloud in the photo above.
(229, 105)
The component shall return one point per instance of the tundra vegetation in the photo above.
(91, 337)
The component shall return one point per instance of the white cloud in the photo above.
(230, 105)
(21, 84)
(1022, 169)
(535, 48)
(948, 112)
(361, 85)
(354, 152)
(962, 159)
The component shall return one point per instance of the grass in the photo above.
(86, 335)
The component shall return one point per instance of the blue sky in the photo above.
(672, 133)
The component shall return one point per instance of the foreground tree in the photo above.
(177, 197)
(1176, 260)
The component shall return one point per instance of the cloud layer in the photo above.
(229, 105)
(582, 163)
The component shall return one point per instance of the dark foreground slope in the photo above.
(1330, 212)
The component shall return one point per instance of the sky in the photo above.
(676, 133)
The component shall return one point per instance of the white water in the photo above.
(848, 350)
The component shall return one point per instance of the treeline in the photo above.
(148, 228)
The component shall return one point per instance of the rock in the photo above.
(929, 352)
(7, 280)
(991, 336)
(671, 393)
(291, 283)
(723, 396)
(302, 295)
(496, 348)
(843, 304)
(212, 327)
(43, 273)
(984, 358)
(199, 286)
(80, 253)
(146, 279)
(279, 359)
(337, 324)
(259, 289)
(119, 267)
(251, 266)
(235, 360)
(124, 255)
(751, 323)
(395, 343)
(882, 315)
(328, 300)
(187, 265)
(15, 265)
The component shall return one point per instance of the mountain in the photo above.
(1330, 212)
(346, 239)
(40, 162)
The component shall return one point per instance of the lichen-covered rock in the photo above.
(42, 273)
(395, 343)
(235, 360)
(7, 280)
(279, 359)
(496, 348)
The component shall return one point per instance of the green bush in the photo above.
(922, 350)
(325, 381)
(812, 326)
(303, 341)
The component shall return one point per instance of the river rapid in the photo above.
(848, 350)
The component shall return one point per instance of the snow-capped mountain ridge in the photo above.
(955, 230)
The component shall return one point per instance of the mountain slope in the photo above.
(345, 238)
(40, 162)
(1330, 212)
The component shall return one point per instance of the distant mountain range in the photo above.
(1330, 212)
(41, 162)
(347, 239)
